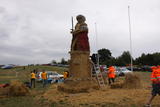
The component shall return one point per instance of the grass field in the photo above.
(50, 97)
(19, 73)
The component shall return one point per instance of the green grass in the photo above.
(19, 73)
(7, 75)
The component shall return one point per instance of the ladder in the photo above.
(96, 73)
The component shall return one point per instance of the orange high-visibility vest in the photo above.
(155, 76)
(111, 72)
(65, 74)
(44, 75)
(33, 75)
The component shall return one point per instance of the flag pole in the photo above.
(130, 35)
(97, 45)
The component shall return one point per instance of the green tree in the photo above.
(148, 59)
(104, 55)
(53, 62)
(124, 59)
(63, 61)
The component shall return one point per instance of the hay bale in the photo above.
(77, 86)
(17, 88)
(4, 91)
(72, 90)
(79, 66)
(116, 85)
(132, 81)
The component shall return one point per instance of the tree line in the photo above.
(106, 58)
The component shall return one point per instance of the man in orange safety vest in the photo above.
(111, 74)
(155, 78)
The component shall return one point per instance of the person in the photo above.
(33, 79)
(44, 78)
(155, 78)
(111, 74)
(65, 74)
(80, 35)
(102, 68)
(36, 71)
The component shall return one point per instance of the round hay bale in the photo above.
(77, 86)
(116, 85)
(132, 81)
(17, 88)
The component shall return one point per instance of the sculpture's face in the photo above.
(80, 18)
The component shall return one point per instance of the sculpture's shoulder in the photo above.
(81, 26)
(77, 27)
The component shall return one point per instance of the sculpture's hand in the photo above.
(71, 32)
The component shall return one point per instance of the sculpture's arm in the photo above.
(82, 28)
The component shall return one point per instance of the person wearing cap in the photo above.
(155, 78)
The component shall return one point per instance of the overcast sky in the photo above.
(38, 31)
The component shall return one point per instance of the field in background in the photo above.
(49, 97)
(23, 74)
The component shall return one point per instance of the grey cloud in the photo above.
(2, 9)
(3, 34)
(37, 31)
